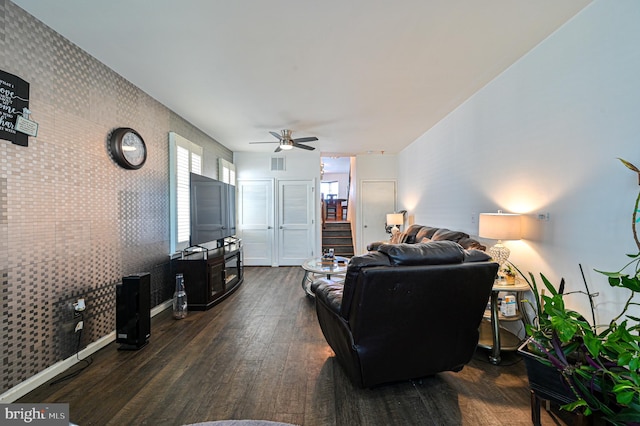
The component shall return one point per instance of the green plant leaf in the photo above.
(609, 274)
(630, 283)
(624, 358)
(565, 329)
(629, 165)
(548, 285)
(624, 397)
(593, 344)
(577, 404)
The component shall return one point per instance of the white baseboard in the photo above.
(23, 388)
(161, 307)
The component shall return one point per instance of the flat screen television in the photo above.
(213, 210)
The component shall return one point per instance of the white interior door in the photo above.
(296, 224)
(256, 221)
(377, 199)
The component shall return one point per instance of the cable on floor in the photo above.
(87, 360)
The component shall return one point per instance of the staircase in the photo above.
(337, 235)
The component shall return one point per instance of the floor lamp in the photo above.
(499, 226)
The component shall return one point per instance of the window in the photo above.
(184, 157)
(327, 188)
(226, 172)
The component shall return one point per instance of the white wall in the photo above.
(544, 137)
(299, 164)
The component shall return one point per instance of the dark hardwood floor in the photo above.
(260, 354)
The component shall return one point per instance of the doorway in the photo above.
(335, 187)
(336, 197)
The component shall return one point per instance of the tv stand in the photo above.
(210, 274)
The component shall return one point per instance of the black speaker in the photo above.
(133, 311)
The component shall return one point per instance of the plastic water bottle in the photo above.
(179, 299)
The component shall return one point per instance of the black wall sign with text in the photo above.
(14, 96)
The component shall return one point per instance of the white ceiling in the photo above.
(361, 75)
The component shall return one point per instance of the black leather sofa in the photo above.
(421, 233)
(406, 311)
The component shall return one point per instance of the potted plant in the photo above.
(509, 272)
(598, 367)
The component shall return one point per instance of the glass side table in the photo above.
(317, 266)
(492, 336)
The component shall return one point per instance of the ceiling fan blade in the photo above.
(308, 148)
(276, 135)
(266, 142)
(308, 139)
(278, 149)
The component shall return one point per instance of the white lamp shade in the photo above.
(499, 226)
(395, 219)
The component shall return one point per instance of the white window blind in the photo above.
(226, 171)
(182, 200)
(185, 157)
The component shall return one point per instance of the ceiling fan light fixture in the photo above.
(286, 143)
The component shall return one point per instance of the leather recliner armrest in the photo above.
(331, 294)
(375, 245)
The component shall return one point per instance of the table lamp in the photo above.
(499, 226)
(395, 219)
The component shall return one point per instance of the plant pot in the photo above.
(544, 380)
(511, 279)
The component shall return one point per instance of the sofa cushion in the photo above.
(420, 233)
(447, 234)
(475, 255)
(431, 253)
(470, 243)
(424, 233)
(397, 238)
(429, 231)
(412, 234)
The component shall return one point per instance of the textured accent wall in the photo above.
(72, 222)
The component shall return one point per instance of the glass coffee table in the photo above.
(318, 266)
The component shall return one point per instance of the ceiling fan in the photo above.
(286, 142)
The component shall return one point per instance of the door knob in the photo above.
(281, 227)
(365, 226)
(269, 227)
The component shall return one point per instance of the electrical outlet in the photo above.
(543, 217)
(79, 326)
(79, 306)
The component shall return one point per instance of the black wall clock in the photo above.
(128, 148)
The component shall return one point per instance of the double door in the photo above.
(276, 221)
